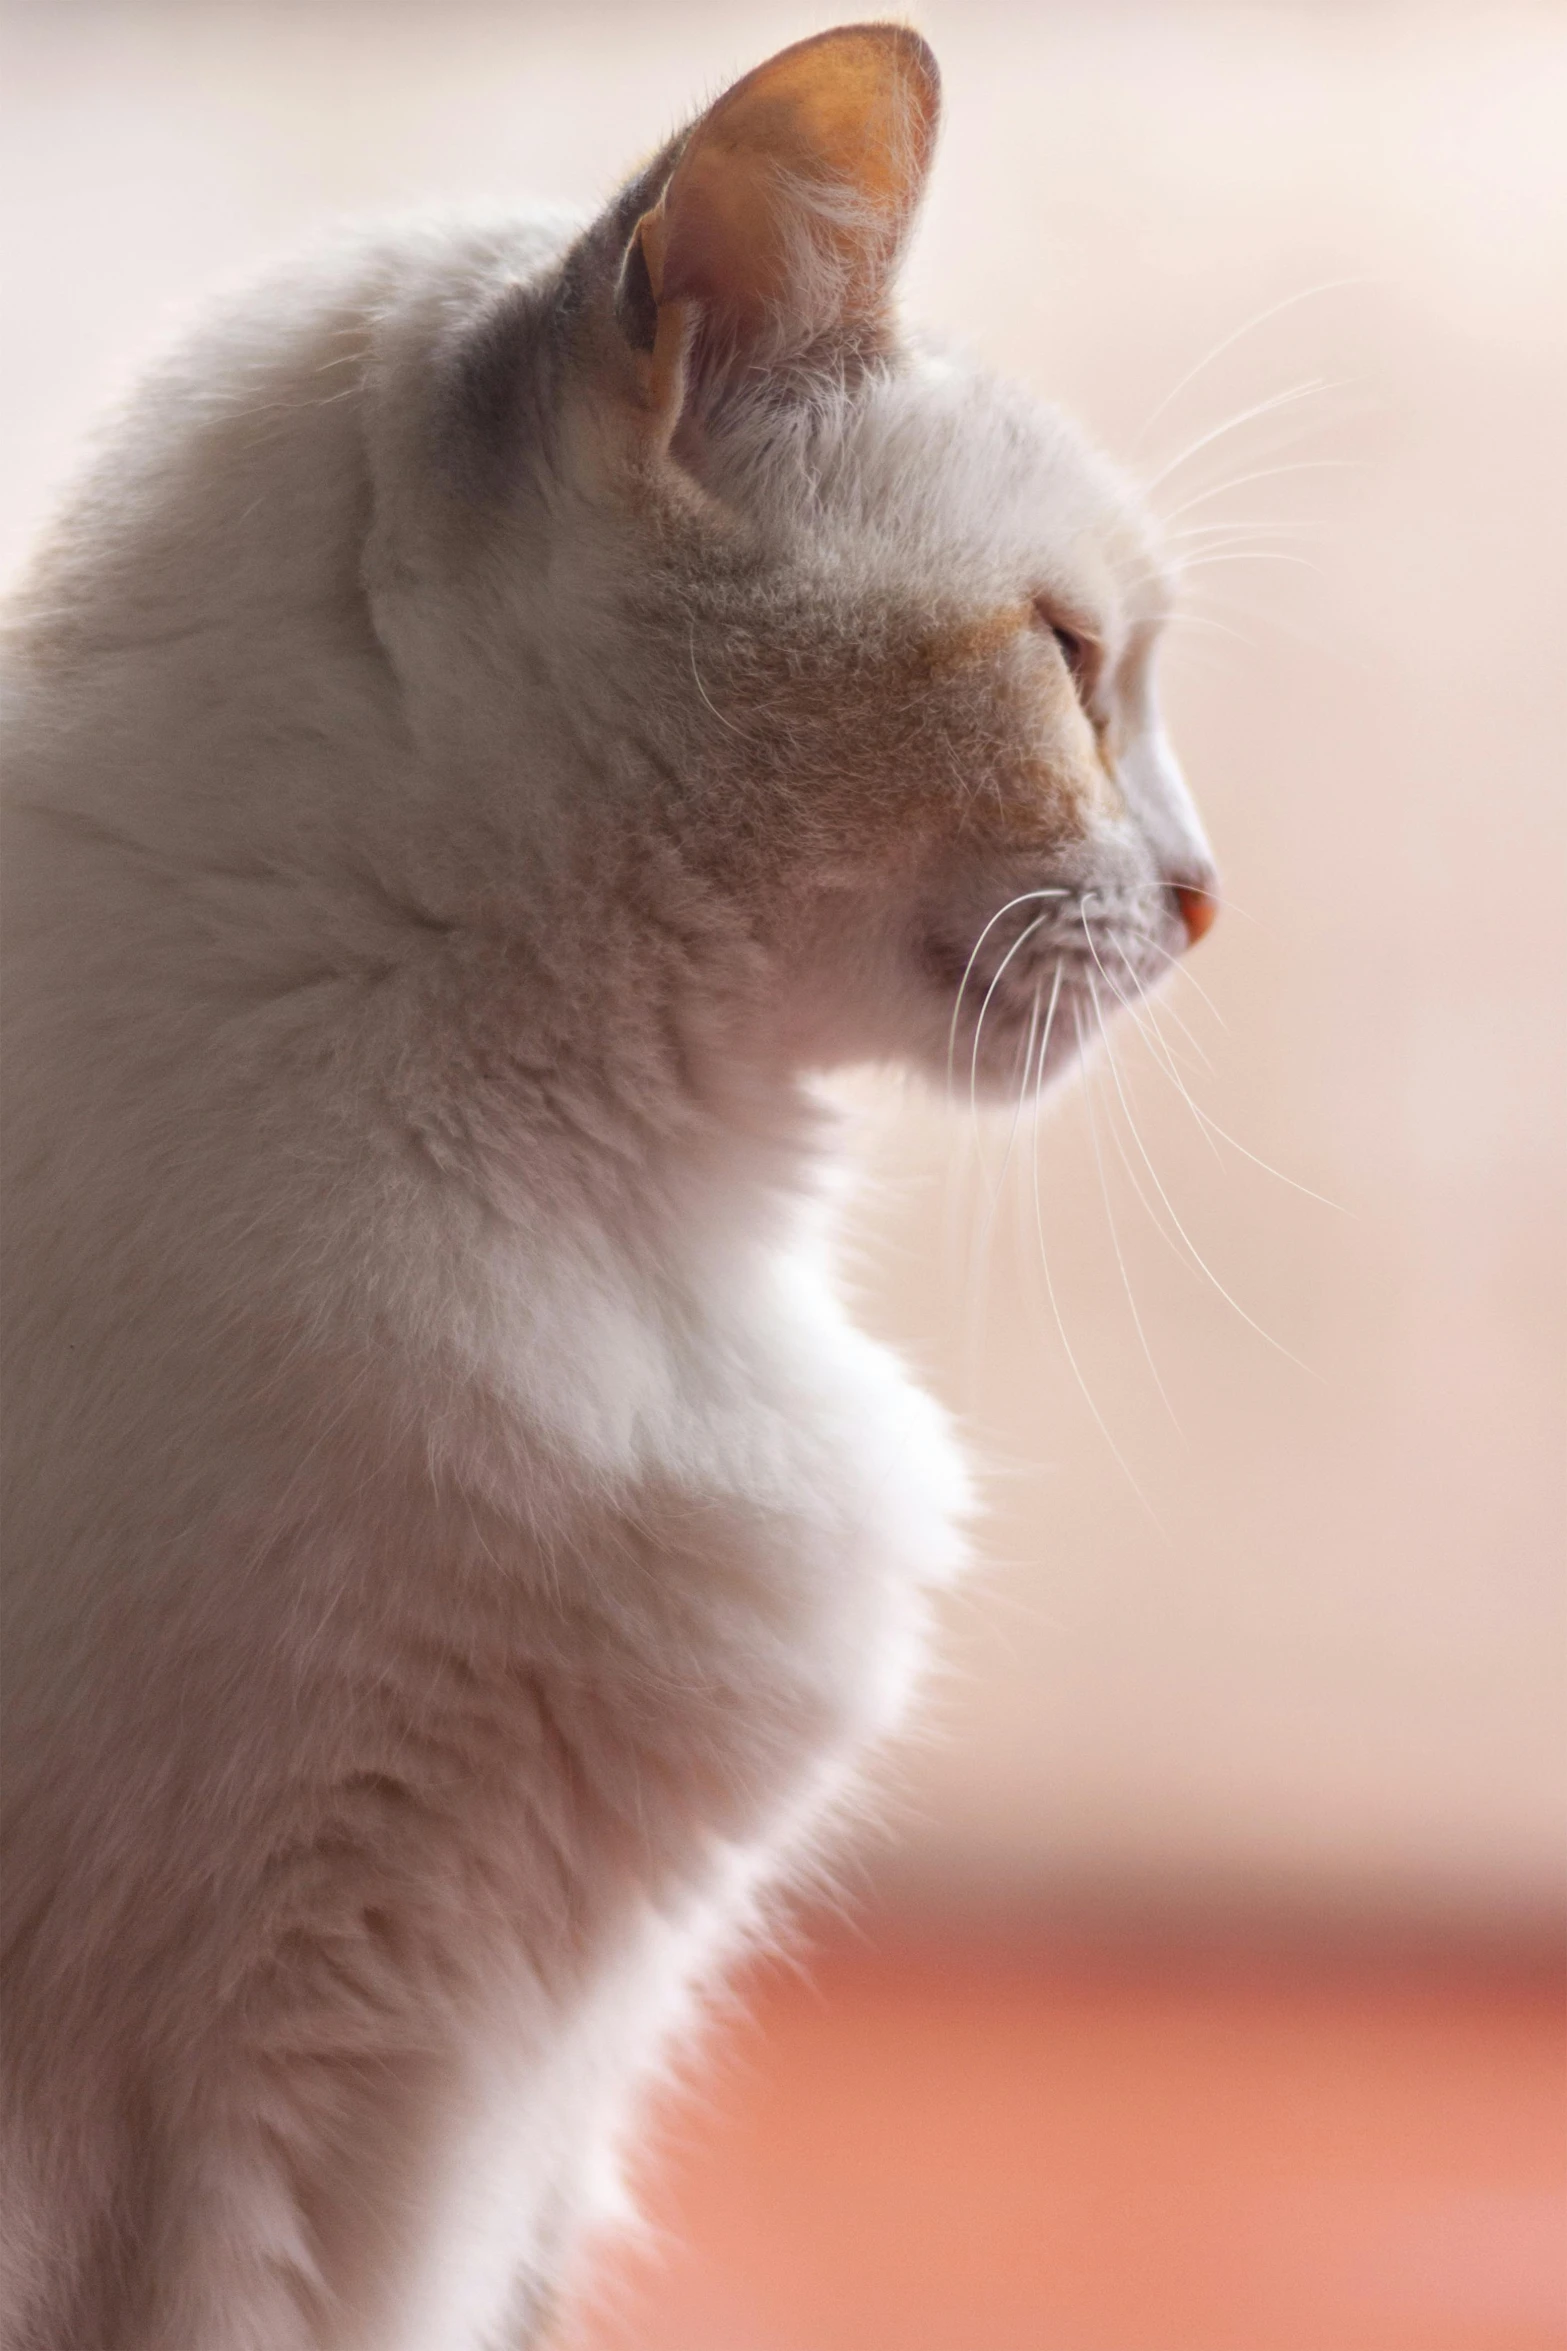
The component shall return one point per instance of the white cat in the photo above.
(514, 700)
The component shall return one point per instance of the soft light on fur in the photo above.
(513, 702)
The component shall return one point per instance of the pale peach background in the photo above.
(1324, 1662)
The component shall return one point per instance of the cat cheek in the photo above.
(1059, 802)
(1087, 768)
(1065, 782)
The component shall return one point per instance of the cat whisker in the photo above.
(1151, 1036)
(1197, 538)
(1222, 899)
(1050, 1287)
(980, 1262)
(1180, 567)
(1228, 342)
(1024, 898)
(1159, 1048)
(1207, 1126)
(702, 690)
(1266, 473)
(354, 358)
(1267, 1168)
(1205, 561)
(1150, 1013)
(1211, 1127)
(1259, 408)
(1133, 1011)
(1195, 1254)
(1275, 441)
(1224, 534)
(1115, 1237)
(1022, 1096)
(1148, 1206)
(979, 1025)
(1211, 609)
(1151, 1010)
(1178, 965)
(1182, 617)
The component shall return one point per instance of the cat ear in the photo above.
(782, 224)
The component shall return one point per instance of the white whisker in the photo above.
(1139, 1005)
(1148, 1207)
(1115, 1237)
(1208, 557)
(1259, 408)
(1131, 1009)
(1228, 342)
(1169, 1057)
(1222, 531)
(702, 690)
(1266, 473)
(1209, 1125)
(1211, 606)
(1197, 1258)
(1277, 1173)
(1050, 1287)
(979, 1263)
(1184, 618)
(979, 1025)
(1024, 898)
(1182, 970)
(1164, 1057)
(1158, 1046)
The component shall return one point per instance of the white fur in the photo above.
(460, 1545)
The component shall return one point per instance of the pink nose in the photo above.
(1199, 910)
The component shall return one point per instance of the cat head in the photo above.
(866, 637)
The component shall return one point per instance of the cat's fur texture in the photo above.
(512, 702)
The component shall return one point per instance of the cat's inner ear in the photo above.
(782, 224)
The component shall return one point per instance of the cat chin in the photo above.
(1016, 1058)
(1019, 1033)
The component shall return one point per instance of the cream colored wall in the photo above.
(1325, 1654)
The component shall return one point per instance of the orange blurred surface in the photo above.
(914, 2150)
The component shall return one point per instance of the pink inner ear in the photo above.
(818, 157)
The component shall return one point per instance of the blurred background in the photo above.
(1198, 1982)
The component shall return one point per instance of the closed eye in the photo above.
(1082, 653)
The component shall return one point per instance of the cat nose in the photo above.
(1197, 904)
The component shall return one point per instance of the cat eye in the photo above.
(1080, 652)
